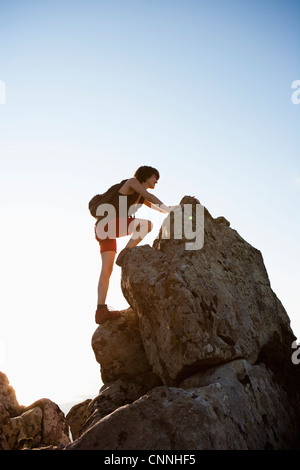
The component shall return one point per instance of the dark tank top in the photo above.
(131, 203)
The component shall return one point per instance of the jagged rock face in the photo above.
(210, 327)
(24, 430)
(119, 349)
(111, 397)
(205, 307)
(77, 417)
(201, 360)
(234, 406)
(9, 407)
(41, 424)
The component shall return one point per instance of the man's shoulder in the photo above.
(130, 181)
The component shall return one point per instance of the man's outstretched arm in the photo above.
(150, 198)
(159, 208)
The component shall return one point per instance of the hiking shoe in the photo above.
(103, 314)
(120, 258)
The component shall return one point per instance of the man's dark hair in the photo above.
(144, 172)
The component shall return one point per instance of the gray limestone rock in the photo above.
(234, 406)
(204, 307)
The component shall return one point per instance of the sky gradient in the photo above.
(201, 90)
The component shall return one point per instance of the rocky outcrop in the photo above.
(201, 308)
(9, 407)
(77, 418)
(39, 425)
(234, 406)
(202, 359)
(120, 350)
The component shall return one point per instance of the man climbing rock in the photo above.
(124, 201)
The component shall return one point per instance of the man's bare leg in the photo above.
(106, 271)
(103, 313)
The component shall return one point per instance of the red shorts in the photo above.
(120, 228)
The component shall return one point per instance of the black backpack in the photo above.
(104, 198)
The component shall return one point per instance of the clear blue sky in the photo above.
(200, 90)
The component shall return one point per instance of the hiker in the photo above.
(131, 194)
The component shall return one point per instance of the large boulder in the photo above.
(9, 408)
(77, 417)
(200, 308)
(234, 406)
(41, 424)
(55, 430)
(119, 349)
(203, 358)
(24, 431)
(111, 397)
(206, 324)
